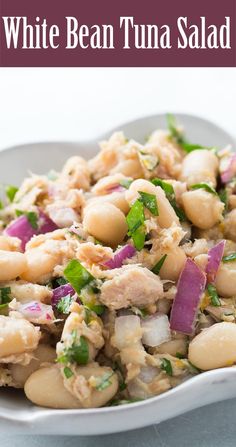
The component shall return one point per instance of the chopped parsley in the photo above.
(215, 301)
(105, 381)
(89, 298)
(31, 216)
(68, 372)
(135, 221)
(61, 281)
(11, 192)
(5, 296)
(166, 366)
(157, 267)
(229, 258)
(32, 219)
(77, 275)
(178, 136)
(77, 353)
(170, 194)
(223, 195)
(1, 205)
(205, 186)
(179, 355)
(126, 183)
(63, 306)
(167, 187)
(149, 201)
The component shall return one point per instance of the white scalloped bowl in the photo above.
(17, 414)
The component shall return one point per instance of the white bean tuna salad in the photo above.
(118, 274)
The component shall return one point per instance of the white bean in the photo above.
(17, 336)
(173, 347)
(166, 213)
(214, 347)
(226, 279)
(202, 208)
(12, 264)
(45, 387)
(199, 166)
(20, 373)
(116, 198)
(106, 223)
(230, 226)
(173, 264)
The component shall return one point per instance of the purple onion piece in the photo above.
(61, 292)
(120, 255)
(22, 228)
(214, 259)
(115, 188)
(190, 287)
(230, 171)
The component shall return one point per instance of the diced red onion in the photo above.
(22, 228)
(61, 292)
(120, 255)
(115, 188)
(34, 311)
(156, 330)
(230, 171)
(46, 225)
(214, 259)
(190, 287)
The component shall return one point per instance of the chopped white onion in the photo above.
(127, 331)
(156, 330)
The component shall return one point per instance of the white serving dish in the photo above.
(17, 414)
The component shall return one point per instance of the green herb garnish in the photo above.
(149, 201)
(229, 258)
(1, 205)
(63, 306)
(77, 275)
(77, 353)
(178, 136)
(167, 187)
(68, 372)
(5, 296)
(215, 301)
(11, 192)
(157, 267)
(205, 186)
(170, 194)
(179, 355)
(31, 216)
(105, 381)
(61, 281)
(166, 366)
(32, 219)
(135, 221)
(223, 195)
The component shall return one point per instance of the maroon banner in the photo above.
(124, 33)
